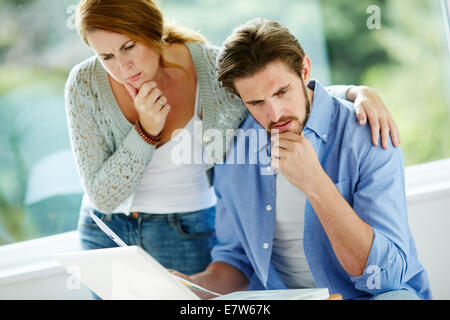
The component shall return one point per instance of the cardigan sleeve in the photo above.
(107, 176)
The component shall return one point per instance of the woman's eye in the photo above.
(106, 58)
(130, 47)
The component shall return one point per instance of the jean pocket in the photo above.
(86, 221)
(196, 225)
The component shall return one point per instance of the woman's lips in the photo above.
(135, 77)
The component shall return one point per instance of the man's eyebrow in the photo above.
(276, 93)
(122, 47)
(281, 89)
(253, 101)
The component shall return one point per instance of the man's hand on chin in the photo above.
(296, 159)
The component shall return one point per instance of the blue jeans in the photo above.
(179, 241)
(397, 295)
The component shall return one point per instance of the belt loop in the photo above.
(108, 217)
(139, 222)
(172, 219)
(135, 215)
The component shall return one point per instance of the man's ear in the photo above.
(306, 71)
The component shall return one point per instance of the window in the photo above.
(39, 190)
(399, 49)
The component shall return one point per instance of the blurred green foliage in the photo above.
(406, 61)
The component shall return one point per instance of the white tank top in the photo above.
(169, 186)
(288, 256)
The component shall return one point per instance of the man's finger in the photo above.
(287, 135)
(282, 143)
(279, 153)
(179, 274)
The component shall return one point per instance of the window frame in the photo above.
(446, 19)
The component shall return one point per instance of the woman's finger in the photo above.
(361, 116)
(385, 130)
(153, 97)
(375, 130)
(395, 133)
(131, 90)
(145, 90)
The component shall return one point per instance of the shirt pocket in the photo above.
(344, 188)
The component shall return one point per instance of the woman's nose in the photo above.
(125, 64)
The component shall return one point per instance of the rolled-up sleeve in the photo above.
(385, 267)
(380, 201)
(228, 248)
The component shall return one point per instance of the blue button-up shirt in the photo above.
(370, 179)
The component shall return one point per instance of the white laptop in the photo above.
(129, 272)
(124, 273)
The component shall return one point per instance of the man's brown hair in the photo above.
(252, 46)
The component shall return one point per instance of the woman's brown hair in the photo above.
(140, 20)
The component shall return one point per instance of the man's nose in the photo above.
(273, 112)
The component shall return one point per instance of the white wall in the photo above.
(49, 283)
(27, 270)
(430, 221)
(428, 194)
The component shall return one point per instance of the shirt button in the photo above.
(266, 245)
(206, 139)
(269, 207)
(324, 136)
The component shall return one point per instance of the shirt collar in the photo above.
(322, 110)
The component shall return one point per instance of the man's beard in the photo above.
(301, 124)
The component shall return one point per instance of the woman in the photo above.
(147, 80)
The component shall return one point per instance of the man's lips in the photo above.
(134, 78)
(282, 126)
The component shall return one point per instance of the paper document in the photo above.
(121, 243)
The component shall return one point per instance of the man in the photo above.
(335, 214)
